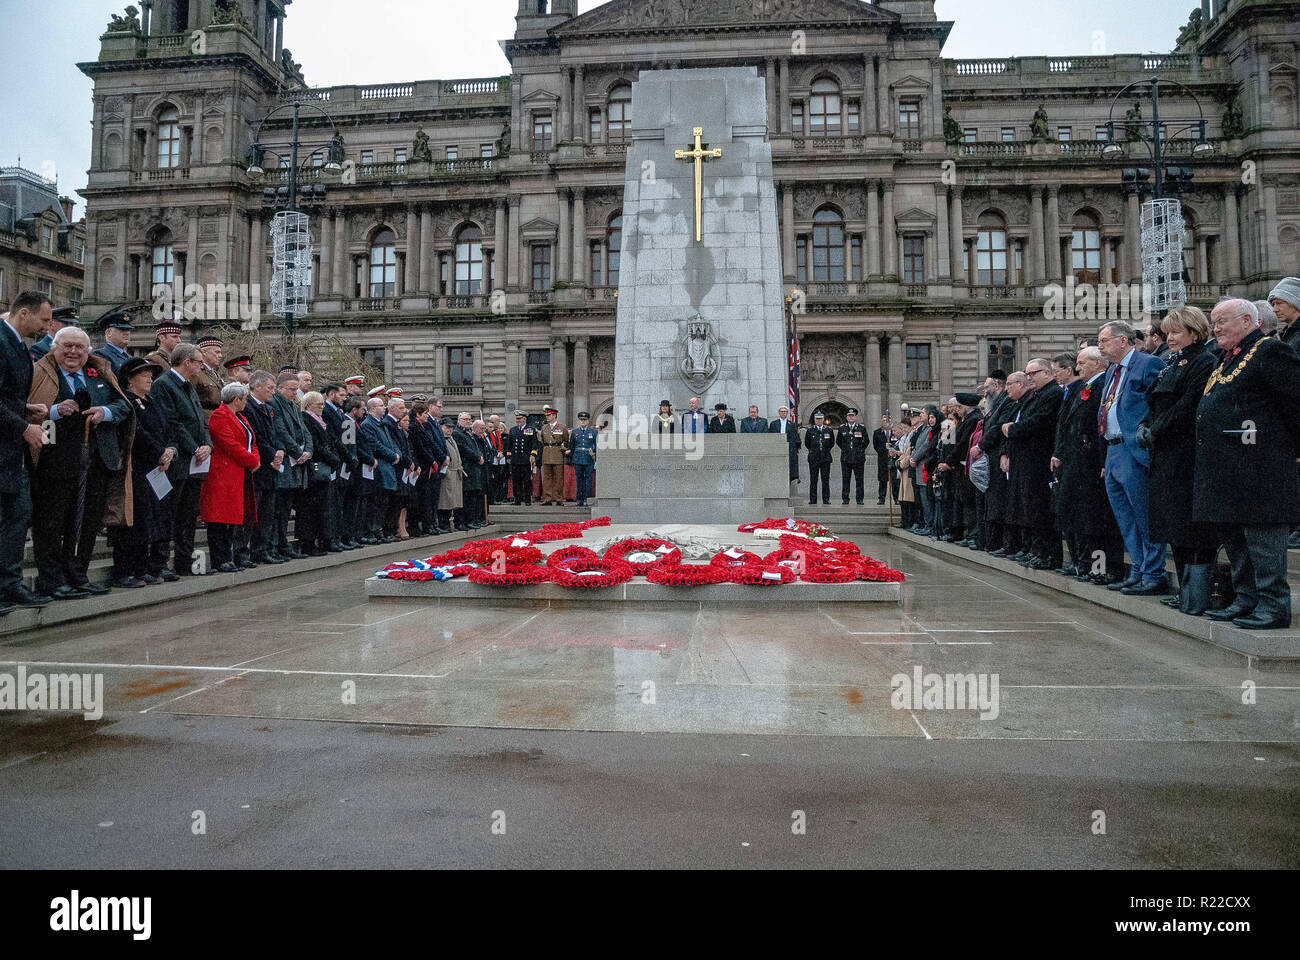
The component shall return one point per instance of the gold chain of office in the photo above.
(1217, 376)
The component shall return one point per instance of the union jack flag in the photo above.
(794, 378)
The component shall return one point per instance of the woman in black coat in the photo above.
(313, 538)
(134, 563)
(1171, 433)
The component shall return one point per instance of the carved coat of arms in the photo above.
(698, 362)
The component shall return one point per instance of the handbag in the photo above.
(320, 472)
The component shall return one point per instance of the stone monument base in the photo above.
(718, 478)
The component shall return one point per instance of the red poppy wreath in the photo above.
(591, 574)
(735, 557)
(760, 575)
(669, 574)
(510, 576)
(575, 552)
(642, 553)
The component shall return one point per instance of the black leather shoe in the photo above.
(149, 580)
(1120, 585)
(1147, 588)
(462, 528)
(94, 589)
(166, 576)
(296, 554)
(334, 547)
(999, 552)
(68, 593)
(249, 564)
(1230, 612)
(128, 583)
(1256, 622)
(317, 552)
(1083, 578)
(1170, 601)
(6, 609)
(227, 568)
(1041, 564)
(20, 596)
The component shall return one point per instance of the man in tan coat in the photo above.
(555, 444)
(209, 383)
(167, 336)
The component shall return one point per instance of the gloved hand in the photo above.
(1144, 437)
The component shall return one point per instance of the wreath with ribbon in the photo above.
(759, 574)
(735, 557)
(786, 523)
(643, 553)
(595, 522)
(876, 570)
(591, 574)
(553, 531)
(671, 574)
(831, 571)
(523, 575)
(574, 552)
(798, 559)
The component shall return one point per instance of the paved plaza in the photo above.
(317, 728)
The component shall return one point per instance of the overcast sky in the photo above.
(45, 107)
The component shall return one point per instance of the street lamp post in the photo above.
(1155, 143)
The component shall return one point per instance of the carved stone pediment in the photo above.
(622, 15)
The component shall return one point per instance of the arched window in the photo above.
(991, 251)
(620, 114)
(383, 263)
(169, 139)
(614, 246)
(162, 261)
(469, 262)
(824, 109)
(828, 247)
(1085, 249)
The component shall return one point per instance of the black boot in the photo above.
(1194, 589)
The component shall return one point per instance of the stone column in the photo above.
(1233, 269)
(882, 96)
(512, 371)
(945, 365)
(785, 95)
(428, 274)
(1202, 263)
(580, 372)
(143, 267)
(192, 247)
(959, 240)
(1038, 269)
(411, 282)
(123, 268)
(769, 76)
(565, 250)
(1053, 228)
(279, 39)
(580, 126)
(128, 138)
(560, 378)
(564, 122)
(871, 352)
(92, 263)
(196, 158)
(579, 236)
(1133, 237)
(787, 232)
(342, 260)
(97, 137)
(897, 372)
(1271, 248)
(512, 277)
(871, 239)
(869, 110)
(255, 250)
(943, 244)
(936, 100)
(890, 242)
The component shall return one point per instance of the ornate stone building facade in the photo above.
(471, 243)
(41, 248)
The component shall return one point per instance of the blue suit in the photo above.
(380, 446)
(1127, 464)
(583, 440)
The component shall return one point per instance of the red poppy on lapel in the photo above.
(92, 372)
(1085, 394)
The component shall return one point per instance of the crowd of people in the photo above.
(150, 448)
(1181, 438)
(1178, 439)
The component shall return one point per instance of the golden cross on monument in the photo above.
(698, 155)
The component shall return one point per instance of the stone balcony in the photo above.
(1018, 72)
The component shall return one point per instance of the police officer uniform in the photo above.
(583, 440)
(523, 447)
(820, 441)
(853, 441)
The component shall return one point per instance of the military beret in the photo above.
(168, 326)
(208, 340)
(289, 368)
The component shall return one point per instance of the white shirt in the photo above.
(1113, 432)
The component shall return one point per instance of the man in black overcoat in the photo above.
(1033, 438)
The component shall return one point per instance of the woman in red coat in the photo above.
(227, 500)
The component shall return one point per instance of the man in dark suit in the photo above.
(377, 490)
(433, 429)
(820, 442)
(342, 430)
(1033, 439)
(1004, 536)
(28, 314)
(1123, 410)
(721, 423)
(523, 448)
(753, 423)
(392, 425)
(880, 440)
(258, 542)
(789, 427)
(292, 437)
(75, 475)
(173, 393)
